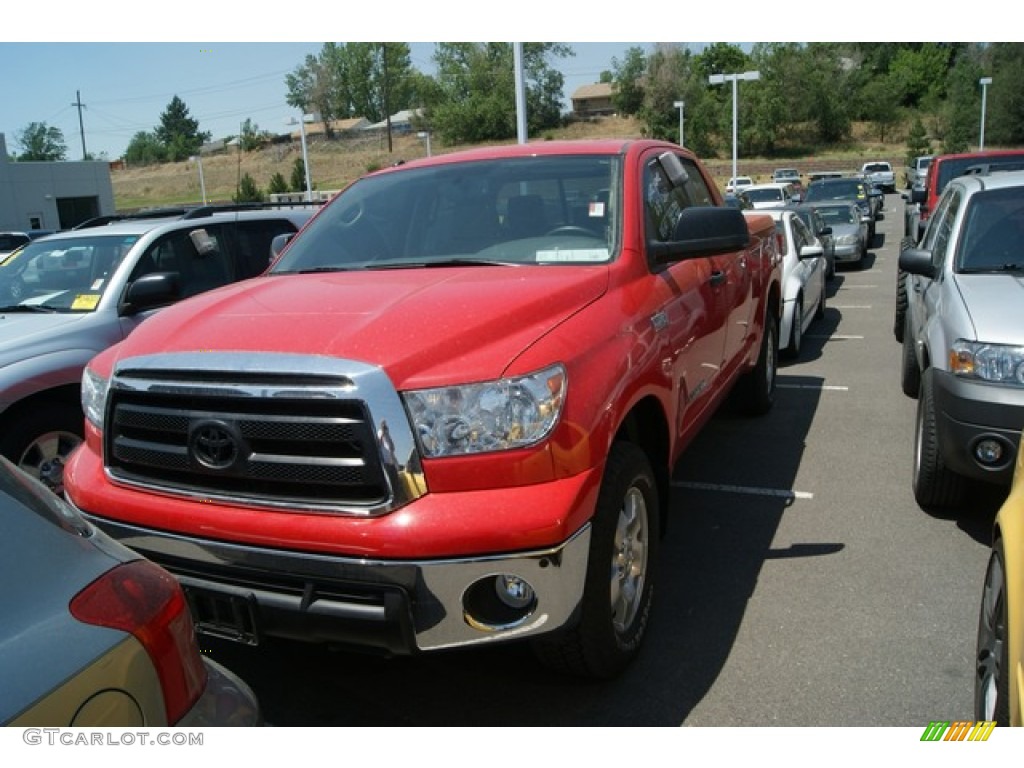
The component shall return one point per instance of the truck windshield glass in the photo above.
(64, 275)
(512, 211)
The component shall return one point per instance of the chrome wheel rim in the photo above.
(629, 560)
(44, 457)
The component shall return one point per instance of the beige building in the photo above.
(592, 100)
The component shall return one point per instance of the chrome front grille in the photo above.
(240, 429)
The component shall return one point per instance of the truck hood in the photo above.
(425, 327)
(993, 303)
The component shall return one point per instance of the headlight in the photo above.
(846, 240)
(492, 416)
(999, 363)
(94, 397)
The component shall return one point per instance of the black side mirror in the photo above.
(153, 290)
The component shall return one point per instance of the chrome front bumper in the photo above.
(394, 606)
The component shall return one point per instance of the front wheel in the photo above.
(619, 587)
(39, 441)
(992, 668)
(796, 332)
(935, 484)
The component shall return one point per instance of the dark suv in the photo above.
(65, 297)
(852, 189)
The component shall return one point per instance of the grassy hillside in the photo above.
(335, 163)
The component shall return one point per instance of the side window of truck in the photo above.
(663, 203)
(197, 272)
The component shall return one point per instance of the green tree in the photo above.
(881, 105)
(475, 95)
(628, 81)
(371, 80)
(248, 192)
(917, 141)
(298, 180)
(1004, 121)
(42, 142)
(251, 137)
(277, 185)
(178, 132)
(144, 149)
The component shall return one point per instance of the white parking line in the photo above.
(826, 387)
(833, 336)
(852, 306)
(746, 490)
(852, 287)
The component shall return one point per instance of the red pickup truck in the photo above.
(449, 412)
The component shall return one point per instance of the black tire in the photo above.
(623, 540)
(901, 295)
(910, 371)
(755, 392)
(795, 330)
(40, 440)
(935, 485)
(992, 667)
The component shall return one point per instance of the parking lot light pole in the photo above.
(305, 155)
(202, 181)
(985, 82)
(680, 105)
(734, 78)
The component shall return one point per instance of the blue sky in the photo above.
(68, 48)
(125, 86)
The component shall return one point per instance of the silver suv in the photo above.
(963, 337)
(70, 295)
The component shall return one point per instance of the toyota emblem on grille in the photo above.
(214, 444)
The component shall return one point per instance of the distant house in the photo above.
(316, 128)
(401, 122)
(593, 100)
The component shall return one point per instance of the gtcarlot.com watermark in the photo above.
(77, 737)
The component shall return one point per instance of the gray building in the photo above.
(52, 195)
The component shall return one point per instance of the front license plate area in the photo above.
(228, 616)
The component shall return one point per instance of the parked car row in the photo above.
(958, 318)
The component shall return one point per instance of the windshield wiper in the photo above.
(454, 262)
(28, 308)
(993, 268)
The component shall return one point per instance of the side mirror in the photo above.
(704, 231)
(811, 251)
(917, 261)
(278, 243)
(153, 290)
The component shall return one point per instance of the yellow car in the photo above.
(999, 673)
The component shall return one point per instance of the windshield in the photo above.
(526, 210)
(841, 190)
(993, 230)
(62, 275)
(838, 214)
(764, 195)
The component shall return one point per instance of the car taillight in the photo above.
(142, 598)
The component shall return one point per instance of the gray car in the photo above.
(963, 338)
(92, 634)
(68, 296)
(849, 225)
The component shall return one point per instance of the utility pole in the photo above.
(81, 126)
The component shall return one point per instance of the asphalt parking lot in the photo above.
(800, 584)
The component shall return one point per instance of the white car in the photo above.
(804, 271)
(739, 183)
(772, 195)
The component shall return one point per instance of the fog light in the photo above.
(989, 451)
(513, 591)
